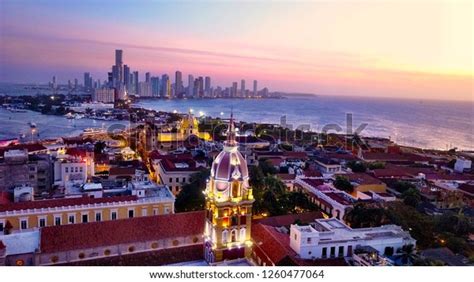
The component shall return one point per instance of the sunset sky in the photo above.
(408, 49)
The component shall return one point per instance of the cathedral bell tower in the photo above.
(229, 202)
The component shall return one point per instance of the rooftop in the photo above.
(114, 232)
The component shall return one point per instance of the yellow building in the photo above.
(188, 126)
(36, 214)
(229, 202)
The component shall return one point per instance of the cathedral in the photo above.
(229, 202)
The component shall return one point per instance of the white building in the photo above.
(331, 238)
(104, 95)
(462, 164)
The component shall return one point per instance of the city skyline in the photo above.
(345, 48)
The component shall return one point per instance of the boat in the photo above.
(32, 124)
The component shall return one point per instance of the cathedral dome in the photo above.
(229, 165)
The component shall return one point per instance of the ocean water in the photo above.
(426, 124)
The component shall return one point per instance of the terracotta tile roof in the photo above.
(122, 171)
(287, 220)
(394, 157)
(114, 232)
(467, 188)
(31, 148)
(65, 202)
(361, 178)
(286, 176)
(272, 246)
(313, 182)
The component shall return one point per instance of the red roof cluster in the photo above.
(31, 148)
(114, 232)
(64, 202)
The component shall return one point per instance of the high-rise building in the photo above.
(119, 66)
(165, 90)
(147, 77)
(75, 83)
(229, 201)
(190, 85)
(104, 95)
(242, 88)
(233, 92)
(155, 86)
(200, 87)
(54, 84)
(254, 94)
(178, 83)
(87, 81)
(207, 86)
(135, 82)
(126, 75)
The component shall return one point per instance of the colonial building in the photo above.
(173, 170)
(229, 202)
(331, 238)
(147, 198)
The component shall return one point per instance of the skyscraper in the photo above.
(147, 77)
(135, 82)
(190, 85)
(126, 76)
(119, 65)
(207, 86)
(87, 81)
(233, 92)
(178, 83)
(254, 88)
(242, 88)
(155, 86)
(165, 90)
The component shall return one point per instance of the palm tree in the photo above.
(408, 254)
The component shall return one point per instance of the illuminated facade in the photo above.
(229, 202)
(187, 127)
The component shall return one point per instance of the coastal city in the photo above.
(197, 142)
(203, 190)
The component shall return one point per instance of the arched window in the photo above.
(242, 234)
(234, 235)
(235, 189)
(224, 236)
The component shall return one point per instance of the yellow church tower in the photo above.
(229, 202)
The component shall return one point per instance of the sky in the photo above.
(408, 49)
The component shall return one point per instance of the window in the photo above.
(308, 240)
(98, 216)
(71, 219)
(85, 218)
(42, 222)
(333, 252)
(242, 234)
(113, 215)
(2, 226)
(177, 180)
(80, 169)
(171, 180)
(130, 213)
(57, 220)
(224, 237)
(325, 252)
(340, 252)
(144, 212)
(167, 210)
(23, 224)
(155, 211)
(184, 179)
(233, 235)
(66, 170)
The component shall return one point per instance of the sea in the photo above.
(427, 124)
